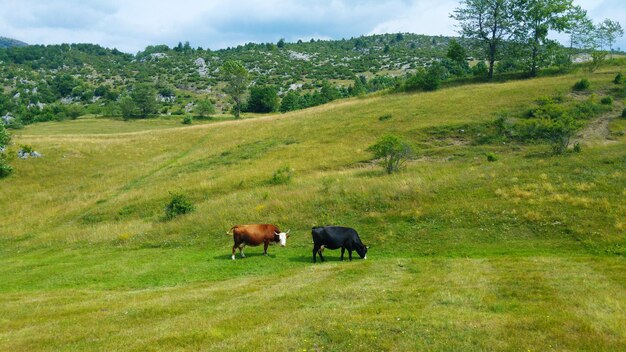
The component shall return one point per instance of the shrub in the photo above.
(607, 100)
(204, 107)
(618, 78)
(583, 84)
(559, 132)
(491, 157)
(385, 117)
(281, 176)
(624, 113)
(5, 168)
(26, 148)
(5, 137)
(587, 109)
(179, 204)
(426, 80)
(392, 152)
(480, 70)
(578, 148)
(263, 99)
(187, 120)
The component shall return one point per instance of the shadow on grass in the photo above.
(238, 257)
(309, 259)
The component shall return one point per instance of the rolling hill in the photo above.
(41, 80)
(10, 43)
(523, 253)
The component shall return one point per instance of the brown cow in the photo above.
(254, 235)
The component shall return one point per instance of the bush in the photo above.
(607, 100)
(491, 157)
(5, 137)
(618, 79)
(179, 204)
(281, 176)
(187, 120)
(624, 113)
(263, 99)
(578, 148)
(480, 70)
(426, 80)
(559, 132)
(5, 168)
(204, 107)
(26, 148)
(392, 152)
(583, 84)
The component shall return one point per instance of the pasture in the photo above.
(524, 253)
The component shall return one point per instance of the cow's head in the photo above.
(361, 249)
(282, 237)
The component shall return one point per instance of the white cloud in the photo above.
(131, 25)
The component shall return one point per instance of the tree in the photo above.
(392, 152)
(581, 30)
(64, 84)
(127, 107)
(607, 32)
(263, 99)
(204, 107)
(536, 18)
(359, 86)
(291, 101)
(488, 21)
(144, 98)
(236, 77)
(456, 52)
(328, 92)
(281, 43)
(598, 57)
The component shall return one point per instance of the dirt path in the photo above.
(597, 131)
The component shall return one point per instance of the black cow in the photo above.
(333, 237)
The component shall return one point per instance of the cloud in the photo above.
(131, 25)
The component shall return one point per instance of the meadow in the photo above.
(524, 253)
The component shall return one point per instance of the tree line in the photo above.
(520, 29)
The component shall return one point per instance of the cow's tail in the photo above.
(230, 232)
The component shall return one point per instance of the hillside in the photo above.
(9, 43)
(39, 81)
(523, 253)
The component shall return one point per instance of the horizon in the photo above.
(134, 25)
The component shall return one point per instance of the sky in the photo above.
(131, 25)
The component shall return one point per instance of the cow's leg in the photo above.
(320, 252)
(265, 245)
(315, 250)
(234, 248)
(350, 253)
(343, 249)
(241, 250)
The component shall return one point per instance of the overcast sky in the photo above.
(131, 25)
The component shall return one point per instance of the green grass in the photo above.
(524, 253)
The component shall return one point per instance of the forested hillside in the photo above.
(42, 83)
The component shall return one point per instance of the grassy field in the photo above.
(525, 253)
